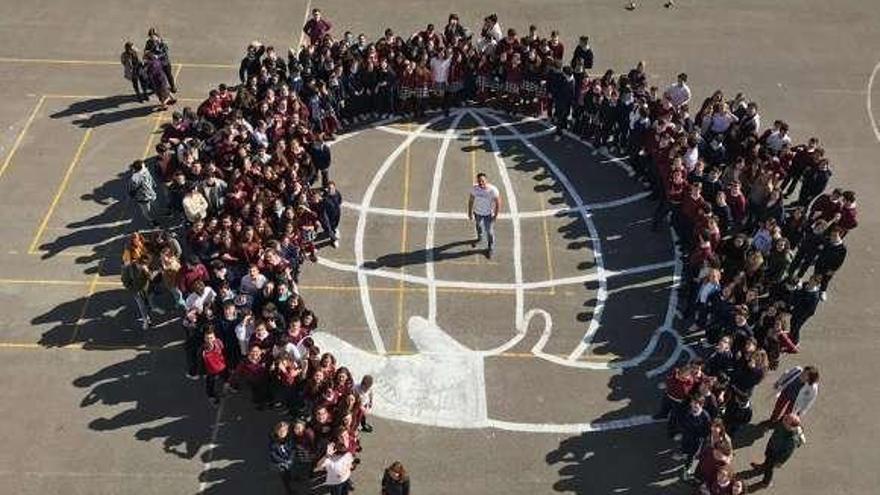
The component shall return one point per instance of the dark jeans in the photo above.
(294, 485)
(340, 489)
(166, 67)
(214, 384)
(325, 176)
(191, 345)
(767, 470)
(329, 223)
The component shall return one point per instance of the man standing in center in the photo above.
(484, 204)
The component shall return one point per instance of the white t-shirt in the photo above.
(338, 468)
(484, 199)
(252, 285)
(678, 94)
(197, 301)
(440, 69)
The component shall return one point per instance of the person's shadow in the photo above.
(420, 256)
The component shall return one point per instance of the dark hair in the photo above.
(137, 164)
(481, 175)
(812, 374)
(397, 468)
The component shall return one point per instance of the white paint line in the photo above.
(363, 287)
(513, 207)
(432, 218)
(868, 101)
(467, 134)
(456, 215)
(349, 135)
(302, 34)
(463, 284)
(212, 446)
(601, 292)
(671, 310)
(616, 424)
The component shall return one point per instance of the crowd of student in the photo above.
(722, 180)
(241, 174)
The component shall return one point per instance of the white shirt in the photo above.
(338, 468)
(691, 156)
(252, 285)
(678, 94)
(440, 69)
(484, 199)
(366, 397)
(776, 139)
(197, 302)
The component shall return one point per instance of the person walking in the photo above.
(158, 79)
(133, 70)
(142, 189)
(280, 449)
(136, 277)
(484, 204)
(786, 437)
(797, 390)
(337, 462)
(830, 259)
(395, 481)
(803, 305)
(159, 48)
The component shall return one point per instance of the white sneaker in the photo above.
(823, 296)
(336, 233)
(336, 243)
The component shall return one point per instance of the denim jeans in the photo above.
(487, 223)
(142, 299)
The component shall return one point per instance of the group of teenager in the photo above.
(722, 181)
(247, 175)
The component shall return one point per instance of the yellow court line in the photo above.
(305, 288)
(473, 154)
(401, 296)
(547, 243)
(20, 137)
(98, 97)
(15, 281)
(60, 192)
(56, 61)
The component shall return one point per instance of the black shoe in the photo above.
(367, 427)
(489, 253)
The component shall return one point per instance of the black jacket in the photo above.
(585, 54)
(831, 257)
(804, 303)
